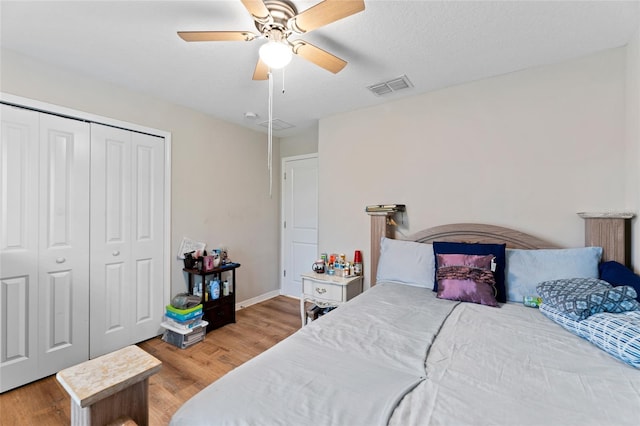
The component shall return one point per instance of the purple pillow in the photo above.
(467, 278)
(497, 250)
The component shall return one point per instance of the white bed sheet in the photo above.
(364, 364)
(513, 366)
(351, 367)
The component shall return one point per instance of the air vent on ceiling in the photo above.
(277, 124)
(386, 87)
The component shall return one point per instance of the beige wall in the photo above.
(633, 141)
(301, 144)
(526, 150)
(220, 185)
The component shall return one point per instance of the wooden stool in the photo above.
(111, 387)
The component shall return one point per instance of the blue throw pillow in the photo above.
(579, 298)
(617, 274)
(498, 250)
(527, 268)
(406, 262)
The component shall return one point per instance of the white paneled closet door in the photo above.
(147, 226)
(44, 245)
(18, 247)
(127, 243)
(64, 243)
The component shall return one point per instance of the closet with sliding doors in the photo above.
(83, 239)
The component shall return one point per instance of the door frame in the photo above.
(48, 108)
(284, 160)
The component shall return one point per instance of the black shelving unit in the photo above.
(221, 311)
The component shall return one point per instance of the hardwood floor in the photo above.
(183, 372)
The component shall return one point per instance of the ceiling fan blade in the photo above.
(318, 56)
(217, 35)
(258, 10)
(324, 13)
(261, 72)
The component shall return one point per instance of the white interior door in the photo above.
(110, 239)
(148, 235)
(18, 247)
(63, 290)
(127, 223)
(44, 245)
(48, 308)
(300, 220)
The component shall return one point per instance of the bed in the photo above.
(400, 355)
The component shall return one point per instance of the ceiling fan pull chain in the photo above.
(283, 81)
(270, 134)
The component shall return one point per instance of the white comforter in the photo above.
(513, 366)
(351, 367)
(364, 364)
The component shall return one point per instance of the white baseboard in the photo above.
(257, 299)
(290, 296)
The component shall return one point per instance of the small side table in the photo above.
(221, 311)
(327, 290)
(111, 387)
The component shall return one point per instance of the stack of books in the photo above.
(184, 327)
(184, 319)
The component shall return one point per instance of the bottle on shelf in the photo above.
(214, 288)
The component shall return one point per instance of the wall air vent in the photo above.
(390, 86)
(277, 124)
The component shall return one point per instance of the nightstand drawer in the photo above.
(325, 291)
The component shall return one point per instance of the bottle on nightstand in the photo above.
(357, 262)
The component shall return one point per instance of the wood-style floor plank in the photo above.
(184, 372)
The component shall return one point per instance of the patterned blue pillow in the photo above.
(616, 334)
(580, 298)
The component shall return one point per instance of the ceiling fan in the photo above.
(277, 20)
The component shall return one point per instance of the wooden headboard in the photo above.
(480, 233)
(613, 237)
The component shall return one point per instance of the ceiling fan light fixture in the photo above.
(276, 20)
(275, 54)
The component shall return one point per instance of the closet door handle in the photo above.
(116, 253)
(61, 260)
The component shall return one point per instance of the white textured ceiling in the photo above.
(436, 44)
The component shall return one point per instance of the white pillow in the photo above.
(525, 269)
(406, 262)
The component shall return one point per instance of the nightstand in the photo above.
(327, 290)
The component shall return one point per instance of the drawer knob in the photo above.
(116, 253)
(60, 260)
(321, 290)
